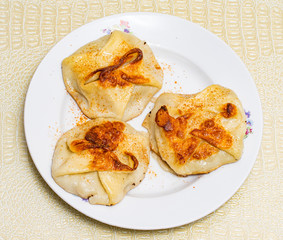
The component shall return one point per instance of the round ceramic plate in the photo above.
(192, 58)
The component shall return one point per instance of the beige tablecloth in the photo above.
(29, 209)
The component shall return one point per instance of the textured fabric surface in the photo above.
(29, 209)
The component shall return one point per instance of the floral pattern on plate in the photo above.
(249, 122)
(124, 26)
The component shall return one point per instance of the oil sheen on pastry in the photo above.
(197, 133)
(101, 160)
(114, 76)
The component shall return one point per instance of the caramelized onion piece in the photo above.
(108, 161)
(131, 57)
(106, 136)
(134, 159)
(214, 134)
(100, 142)
(230, 110)
(174, 130)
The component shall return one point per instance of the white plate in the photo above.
(192, 58)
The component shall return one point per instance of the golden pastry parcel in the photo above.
(197, 133)
(101, 160)
(113, 76)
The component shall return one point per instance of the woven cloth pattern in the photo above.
(29, 209)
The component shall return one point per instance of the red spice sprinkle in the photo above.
(152, 173)
(79, 117)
